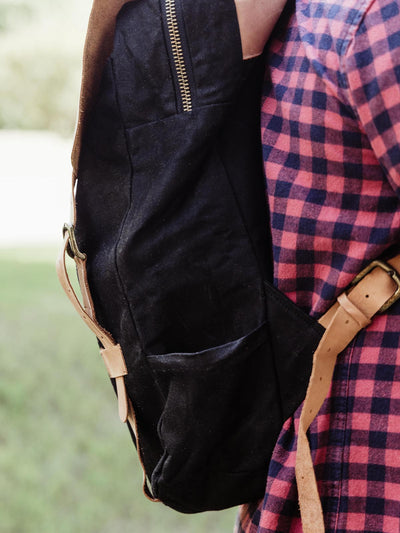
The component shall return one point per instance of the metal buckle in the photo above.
(72, 250)
(391, 271)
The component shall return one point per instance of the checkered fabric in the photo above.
(331, 140)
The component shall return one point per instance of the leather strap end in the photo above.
(122, 399)
(116, 368)
(312, 519)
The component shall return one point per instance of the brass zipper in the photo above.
(177, 53)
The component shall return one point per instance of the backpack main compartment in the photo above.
(172, 215)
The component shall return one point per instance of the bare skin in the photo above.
(256, 21)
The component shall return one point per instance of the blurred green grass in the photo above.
(67, 464)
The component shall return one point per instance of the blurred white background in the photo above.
(35, 187)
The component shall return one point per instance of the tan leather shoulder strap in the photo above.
(351, 313)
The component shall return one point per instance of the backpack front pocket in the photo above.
(219, 423)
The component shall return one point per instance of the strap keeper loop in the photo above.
(353, 311)
(114, 361)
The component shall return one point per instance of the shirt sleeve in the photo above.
(372, 66)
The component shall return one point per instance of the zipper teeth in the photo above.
(177, 52)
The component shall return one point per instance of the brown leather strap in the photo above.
(343, 321)
(98, 46)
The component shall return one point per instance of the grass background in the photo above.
(67, 464)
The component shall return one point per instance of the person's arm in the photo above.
(256, 21)
(372, 65)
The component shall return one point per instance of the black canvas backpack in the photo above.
(173, 223)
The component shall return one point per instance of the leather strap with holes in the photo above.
(352, 312)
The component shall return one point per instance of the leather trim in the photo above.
(98, 46)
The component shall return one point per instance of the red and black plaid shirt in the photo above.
(331, 138)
